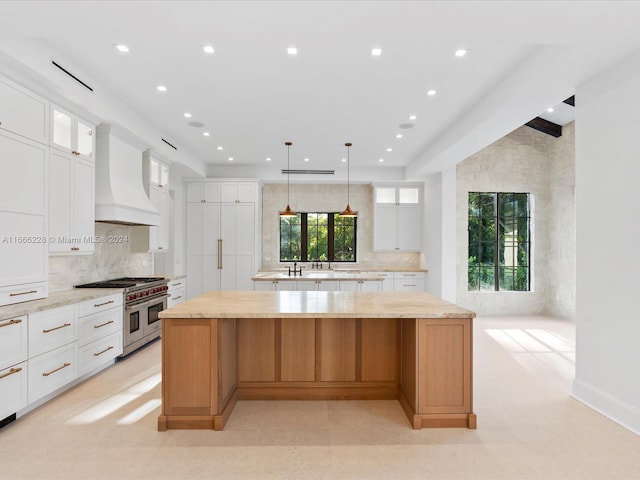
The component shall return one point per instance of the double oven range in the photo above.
(144, 298)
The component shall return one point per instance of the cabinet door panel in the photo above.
(298, 352)
(385, 227)
(409, 228)
(24, 113)
(23, 262)
(13, 385)
(23, 164)
(336, 347)
(379, 349)
(13, 341)
(84, 203)
(60, 201)
(195, 192)
(195, 229)
(256, 349)
(210, 229)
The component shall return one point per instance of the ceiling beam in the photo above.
(545, 126)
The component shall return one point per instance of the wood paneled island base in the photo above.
(223, 347)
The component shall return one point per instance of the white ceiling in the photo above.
(522, 58)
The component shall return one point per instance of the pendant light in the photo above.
(347, 211)
(287, 212)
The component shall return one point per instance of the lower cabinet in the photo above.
(408, 281)
(52, 370)
(13, 385)
(177, 292)
(49, 350)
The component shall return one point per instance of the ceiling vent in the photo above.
(72, 75)
(172, 146)
(308, 172)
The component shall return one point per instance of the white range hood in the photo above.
(120, 194)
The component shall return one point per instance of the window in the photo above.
(499, 241)
(327, 237)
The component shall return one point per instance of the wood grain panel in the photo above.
(189, 367)
(408, 362)
(379, 349)
(256, 347)
(297, 349)
(444, 366)
(227, 370)
(335, 349)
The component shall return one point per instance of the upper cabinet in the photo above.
(397, 218)
(71, 204)
(23, 112)
(222, 192)
(158, 173)
(72, 134)
(154, 238)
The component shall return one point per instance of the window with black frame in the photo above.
(499, 241)
(327, 237)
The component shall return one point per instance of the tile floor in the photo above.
(528, 427)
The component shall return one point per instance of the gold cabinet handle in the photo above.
(176, 284)
(65, 365)
(102, 304)
(103, 351)
(22, 293)
(219, 254)
(159, 248)
(56, 328)
(408, 285)
(11, 322)
(11, 372)
(75, 249)
(103, 324)
(178, 298)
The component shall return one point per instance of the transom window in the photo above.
(327, 237)
(499, 241)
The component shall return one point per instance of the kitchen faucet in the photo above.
(316, 264)
(295, 269)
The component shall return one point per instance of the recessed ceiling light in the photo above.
(219, 147)
(292, 50)
(549, 109)
(412, 117)
(206, 134)
(187, 115)
(161, 88)
(344, 160)
(431, 93)
(208, 49)
(122, 48)
(231, 159)
(399, 135)
(268, 159)
(389, 149)
(461, 52)
(376, 52)
(306, 159)
(381, 160)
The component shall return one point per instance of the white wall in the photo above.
(608, 253)
(432, 233)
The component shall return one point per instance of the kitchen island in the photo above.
(222, 347)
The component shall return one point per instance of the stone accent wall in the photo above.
(526, 161)
(111, 259)
(326, 198)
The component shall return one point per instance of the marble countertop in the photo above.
(256, 304)
(55, 299)
(173, 277)
(361, 268)
(316, 275)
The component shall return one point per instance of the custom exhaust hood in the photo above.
(120, 194)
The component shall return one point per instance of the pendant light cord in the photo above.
(348, 180)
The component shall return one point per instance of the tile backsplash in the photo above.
(112, 258)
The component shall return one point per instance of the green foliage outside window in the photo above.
(499, 241)
(327, 237)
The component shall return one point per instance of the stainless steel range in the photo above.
(144, 298)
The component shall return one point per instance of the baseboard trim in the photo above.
(614, 409)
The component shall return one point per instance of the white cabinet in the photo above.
(177, 292)
(221, 241)
(71, 204)
(23, 217)
(100, 332)
(71, 134)
(154, 238)
(14, 388)
(360, 286)
(408, 282)
(397, 218)
(318, 285)
(23, 112)
(53, 350)
(13, 341)
(51, 329)
(386, 285)
(158, 173)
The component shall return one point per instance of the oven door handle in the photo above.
(147, 303)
